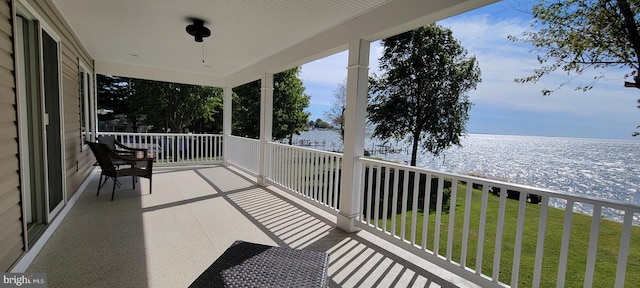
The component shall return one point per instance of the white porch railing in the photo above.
(526, 244)
(313, 174)
(417, 218)
(243, 153)
(175, 148)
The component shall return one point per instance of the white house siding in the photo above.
(77, 162)
(11, 240)
(71, 52)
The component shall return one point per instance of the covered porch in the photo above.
(166, 239)
(408, 235)
(266, 192)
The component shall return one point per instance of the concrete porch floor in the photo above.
(166, 239)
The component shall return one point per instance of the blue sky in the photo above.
(502, 106)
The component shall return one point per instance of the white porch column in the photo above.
(354, 124)
(266, 125)
(227, 111)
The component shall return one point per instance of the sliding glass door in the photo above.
(40, 124)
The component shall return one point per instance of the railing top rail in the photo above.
(329, 153)
(616, 204)
(154, 134)
(243, 138)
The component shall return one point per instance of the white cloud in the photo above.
(501, 61)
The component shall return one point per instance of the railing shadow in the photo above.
(354, 260)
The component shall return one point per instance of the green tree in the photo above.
(289, 102)
(115, 94)
(166, 106)
(111, 95)
(422, 93)
(336, 113)
(209, 119)
(175, 107)
(321, 124)
(576, 36)
(246, 110)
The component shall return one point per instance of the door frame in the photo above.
(23, 9)
(54, 210)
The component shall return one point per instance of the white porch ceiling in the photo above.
(147, 38)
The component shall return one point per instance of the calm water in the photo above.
(606, 169)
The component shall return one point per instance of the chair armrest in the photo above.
(131, 150)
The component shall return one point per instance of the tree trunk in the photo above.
(414, 148)
(630, 26)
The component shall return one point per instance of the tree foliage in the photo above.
(422, 93)
(319, 124)
(177, 107)
(336, 113)
(289, 102)
(113, 95)
(576, 36)
(165, 106)
(246, 110)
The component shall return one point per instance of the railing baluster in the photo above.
(498, 249)
(564, 246)
(307, 186)
(593, 246)
(452, 217)
(394, 202)
(295, 170)
(368, 197)
(426, 209)
(280, 161)
(376, 200)
(384, 189)
(304, 178)
(288, 168)
(515, 269)
(465, 225)
(414, 207)
(204, 147)
(436, 233)
(542, 229)
(623, 253)
(405, 192)
(337, 182)
(330, 184)
(274, 165)
(209, 147)
(325, 179)
(482, 229)
(314, 176)
(385, 200)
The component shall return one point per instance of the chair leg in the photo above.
(113, 192)
(150, 185)
(101, 183)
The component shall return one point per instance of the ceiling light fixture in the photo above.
(197, 29)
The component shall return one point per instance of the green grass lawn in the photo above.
(608, 243)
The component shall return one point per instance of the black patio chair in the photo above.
(140, 167)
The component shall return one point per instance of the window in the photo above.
(85, 93)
